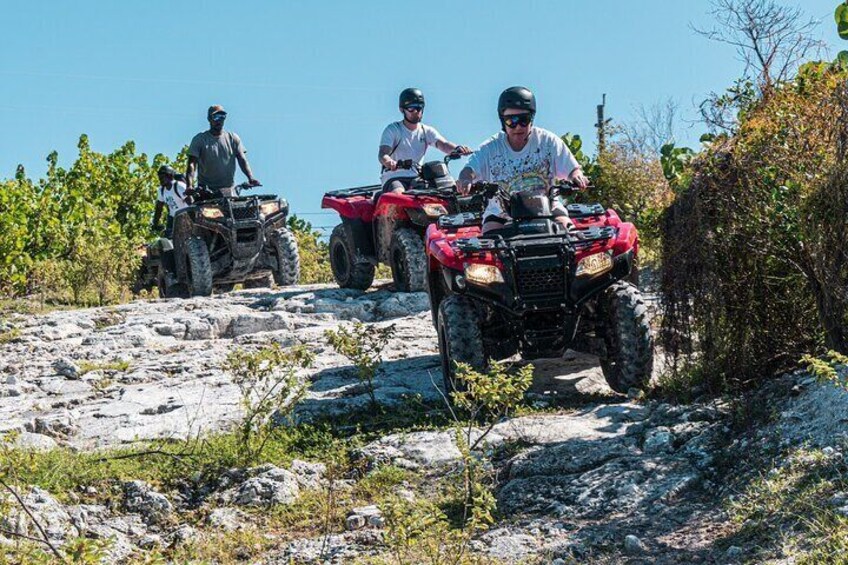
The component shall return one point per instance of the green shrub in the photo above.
(363, 345)
(270, 390)
(314, 253)
(753, 260)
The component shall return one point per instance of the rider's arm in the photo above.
(446, 146)
(466, 177)
(385, 158)
(245, 167)
(157, 213)
(190, 168)
(389, 140)
(242, 160)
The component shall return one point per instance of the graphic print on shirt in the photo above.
(532, 172)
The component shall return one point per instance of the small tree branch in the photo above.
(24, 507)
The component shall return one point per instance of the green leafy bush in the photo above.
(363, 345)
(754, 267)
(270, 389)
(314, 253)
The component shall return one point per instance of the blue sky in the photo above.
(309, 86)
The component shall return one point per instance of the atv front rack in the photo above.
(585, 210)
(492, 243)
(461, 220)
(368, 190)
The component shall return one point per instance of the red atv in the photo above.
(534, 288)
(389, 228)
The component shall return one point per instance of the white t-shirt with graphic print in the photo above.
(407, 145)
(173, 199)
(544, 160)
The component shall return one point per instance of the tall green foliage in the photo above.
(72, 234)
(753, 251)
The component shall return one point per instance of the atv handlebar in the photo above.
(453, 156)
(201, 193)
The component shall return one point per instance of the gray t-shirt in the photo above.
(216, 158)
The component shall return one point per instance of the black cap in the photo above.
(411, 96)
(167, 170)
(517, 98)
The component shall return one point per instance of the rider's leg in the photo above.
(560, 214)
(396, 185)
(169, 227)
(494, 216)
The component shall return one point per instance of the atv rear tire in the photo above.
(288, 260)
(629, 357)
(349, 269)
(199, 268)
(460, 339)
(408, 261)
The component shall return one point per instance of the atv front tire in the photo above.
(460, 339)
(349, 269)
(288, 260)
(408, 261)
(199, 268)
(629, 357)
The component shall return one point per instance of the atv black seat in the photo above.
(585, 210)
(461, 220)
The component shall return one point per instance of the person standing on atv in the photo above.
(520, 157)
(171, 195)
(409, 139)
(213, 153)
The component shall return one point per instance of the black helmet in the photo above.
(167, 170)
(518, 98)
(411, 96)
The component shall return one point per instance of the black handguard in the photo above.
(487, 189)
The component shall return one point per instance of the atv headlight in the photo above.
(483, 274)
(435, 210)
(211, 212)
(595, 264)
(269, 208)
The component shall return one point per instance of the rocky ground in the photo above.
(590, 477)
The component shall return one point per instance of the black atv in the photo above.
(534, 288)
(220, 241)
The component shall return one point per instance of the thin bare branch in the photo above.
(770, 39)
(25, 508)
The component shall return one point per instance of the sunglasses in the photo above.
(414, 108)
(219, 117)
(514, 120)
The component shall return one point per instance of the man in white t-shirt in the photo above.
(520, 158)
(171, 194)
(409, 139)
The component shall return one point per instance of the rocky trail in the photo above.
(588, 476)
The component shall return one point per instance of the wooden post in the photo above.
(601, 125)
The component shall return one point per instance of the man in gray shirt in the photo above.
(214, 154)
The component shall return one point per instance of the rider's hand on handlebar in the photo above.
(463, 150)
(390, 164)
(253, 182)
(578, 179)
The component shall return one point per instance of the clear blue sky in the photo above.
(309, 86)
